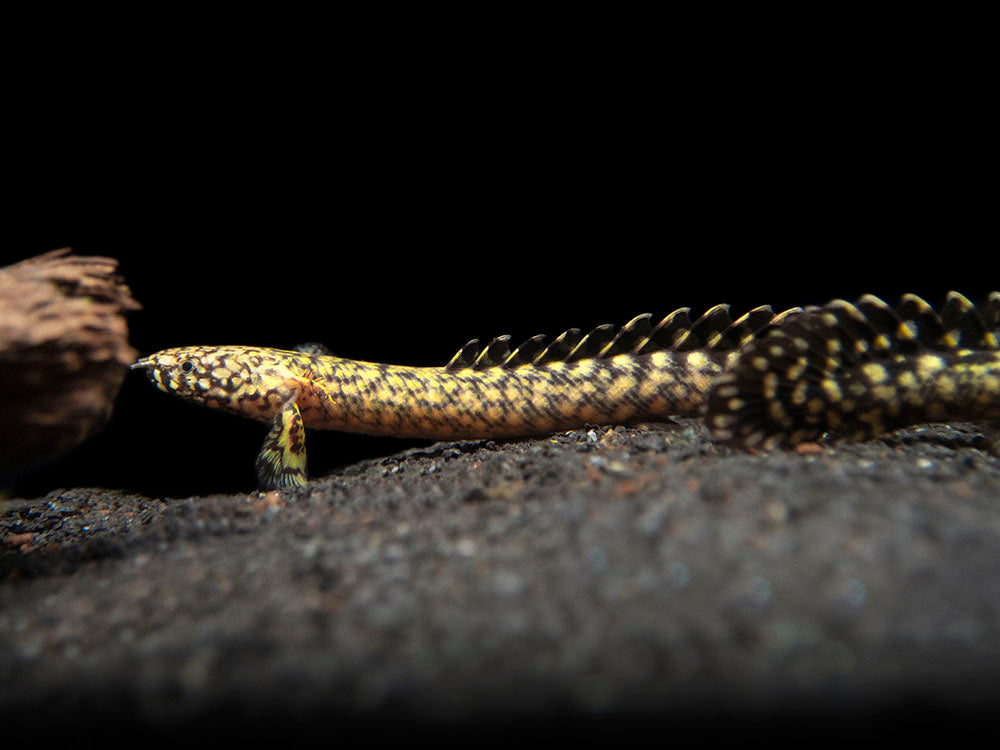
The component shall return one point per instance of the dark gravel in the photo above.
(599, 579)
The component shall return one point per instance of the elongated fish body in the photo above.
(378, 399)
(608, 376)
(853, 370)
(859, 370)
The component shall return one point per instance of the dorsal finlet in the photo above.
(991, 312)
(314, 347)
(632, 335)
(464, 357)
(558, 349)
(526, 353)
(494, 353)
(590, 346)
(704, 332)
(715, 330)
(869, 327)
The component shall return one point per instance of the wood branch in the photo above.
(64, 352)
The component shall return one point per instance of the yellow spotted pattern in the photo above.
(342, 394)
(860, 371)
(293, 390)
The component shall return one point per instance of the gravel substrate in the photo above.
(598, 579)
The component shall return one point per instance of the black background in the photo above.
(395, 210)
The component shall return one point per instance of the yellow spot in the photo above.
(832, 389)
(928, 364)
(657, 405)
(659, 359)
(513, 395)
(884, 392)
(697, 359)
(796, 370)
(735, 404)
(699, 381)
(770, 385)
(648, 389)
(724, 420)
(887, 394)
(907, 379)
(760, 363)
(875, 372)
(945, 387)
(621, 385)
(800, 393)
(728, 390)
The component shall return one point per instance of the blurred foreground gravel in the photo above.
(603, 578)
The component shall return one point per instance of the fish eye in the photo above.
(187, 365)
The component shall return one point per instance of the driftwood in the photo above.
(64, 352)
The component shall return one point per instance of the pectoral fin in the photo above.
(281, 463)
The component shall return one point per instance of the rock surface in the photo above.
(622, 576)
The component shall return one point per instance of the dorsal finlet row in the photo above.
(871, 325)
(715, 330)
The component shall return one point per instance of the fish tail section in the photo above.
(859, 370)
